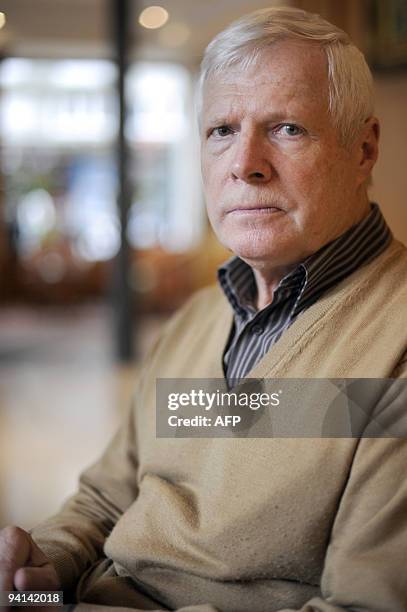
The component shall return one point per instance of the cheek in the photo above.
(213, 182)
(311, 184)
(207, 171)
(212, 199)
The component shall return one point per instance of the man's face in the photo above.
(277, 181)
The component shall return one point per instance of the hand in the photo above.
(23, 566)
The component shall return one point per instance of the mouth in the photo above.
(256, 209)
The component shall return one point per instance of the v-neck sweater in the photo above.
(256, 524)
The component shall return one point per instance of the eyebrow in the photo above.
(224, 119)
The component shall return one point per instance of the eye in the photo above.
(289, 129)
(221, 131)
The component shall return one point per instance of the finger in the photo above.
(14, 553)
(6, 580)
(36, 579)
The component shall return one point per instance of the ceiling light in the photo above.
(174, 34)
(153, 17)
(2, 20)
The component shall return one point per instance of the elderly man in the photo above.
(317, 289)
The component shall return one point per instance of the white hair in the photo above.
(350, 83)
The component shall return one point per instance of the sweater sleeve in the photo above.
(365, 561)
(74, 538)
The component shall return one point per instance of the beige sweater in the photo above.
(250, 525)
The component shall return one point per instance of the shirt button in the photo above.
(257, 330)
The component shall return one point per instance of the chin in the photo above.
(265, 252)
(270, 244)
(254, 253)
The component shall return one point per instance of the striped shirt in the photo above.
(255, 331)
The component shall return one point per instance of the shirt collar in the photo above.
(316, 274)
(237, 281)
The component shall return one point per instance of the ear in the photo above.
(368, 147)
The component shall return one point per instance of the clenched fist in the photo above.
(23, 566)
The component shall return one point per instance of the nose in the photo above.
(250, 163)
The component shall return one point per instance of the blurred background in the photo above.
(103, 232)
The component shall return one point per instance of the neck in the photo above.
(266, 283)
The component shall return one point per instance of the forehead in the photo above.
(291, 75)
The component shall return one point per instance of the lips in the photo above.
(255, 208)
